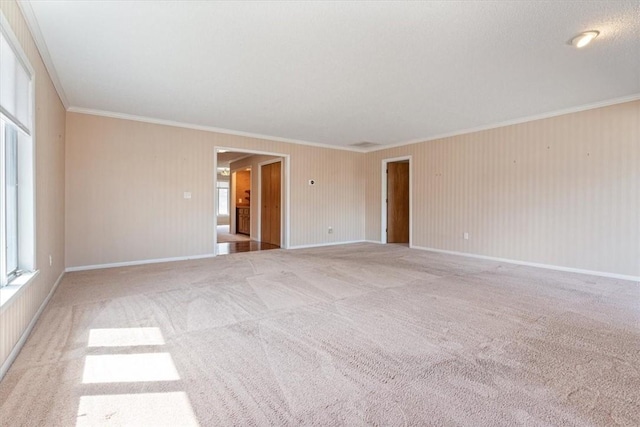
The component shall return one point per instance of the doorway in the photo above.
(255, 177)
(396, 201)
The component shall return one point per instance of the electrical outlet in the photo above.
(330, 230)
(50, 260)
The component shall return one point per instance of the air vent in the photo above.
(364, 144)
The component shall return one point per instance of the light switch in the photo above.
(187, 194)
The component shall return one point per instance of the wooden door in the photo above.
(398, 202)
(270, 200)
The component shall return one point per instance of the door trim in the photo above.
(286, 175)
(383, 203)
(259, 191)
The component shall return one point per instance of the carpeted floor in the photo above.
(349, 335)
(224, 236)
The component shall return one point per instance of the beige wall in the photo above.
(125, 181)
(563, 191)
(16, 315)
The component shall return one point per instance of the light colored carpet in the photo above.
(349, 335)
(225, 237)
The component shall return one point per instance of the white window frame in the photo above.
(26, 177)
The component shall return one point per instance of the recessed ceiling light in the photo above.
(583, 39)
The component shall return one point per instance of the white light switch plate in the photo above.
(187, 194)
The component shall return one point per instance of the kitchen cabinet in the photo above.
(243, 220)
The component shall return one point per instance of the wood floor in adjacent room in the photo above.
(348, 335)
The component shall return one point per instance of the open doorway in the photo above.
(396, 201)
(257, 198)
(225, 195)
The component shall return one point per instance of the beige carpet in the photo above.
(351, 335)
(225, 237)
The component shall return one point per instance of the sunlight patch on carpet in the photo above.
(142, 409)
(125, 368)
(125, 337)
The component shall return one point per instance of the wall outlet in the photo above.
(50, 260)
(330, 230)
(312, 182)
(466, 235)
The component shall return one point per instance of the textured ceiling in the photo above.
(225, 159)
(340, 72)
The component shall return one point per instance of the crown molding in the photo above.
(585, 107)
(173, 123)
(27, 11)
(41, 45)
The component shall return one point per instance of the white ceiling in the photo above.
(339, 73)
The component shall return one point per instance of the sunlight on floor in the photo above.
(127, 368)
(142, 409)
(125, 337)
(132, 409)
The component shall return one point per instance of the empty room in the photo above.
(338, 213)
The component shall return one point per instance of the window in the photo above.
(16, 159)
(11, 197)
(223, 197)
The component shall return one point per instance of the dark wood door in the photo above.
(398, 202)
(270, 200)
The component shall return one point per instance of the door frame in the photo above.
(268, 162)
(383, 203)
(285, 217)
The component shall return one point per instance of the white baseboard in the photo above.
(140, 262)
(534, 264)
(23, 338)
(377, 242)
(319, 245)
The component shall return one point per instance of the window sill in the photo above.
(11, 291)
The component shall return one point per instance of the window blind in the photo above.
(15, 88)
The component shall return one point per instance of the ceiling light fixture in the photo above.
(583, 39)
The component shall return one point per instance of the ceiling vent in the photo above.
(365, 144)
